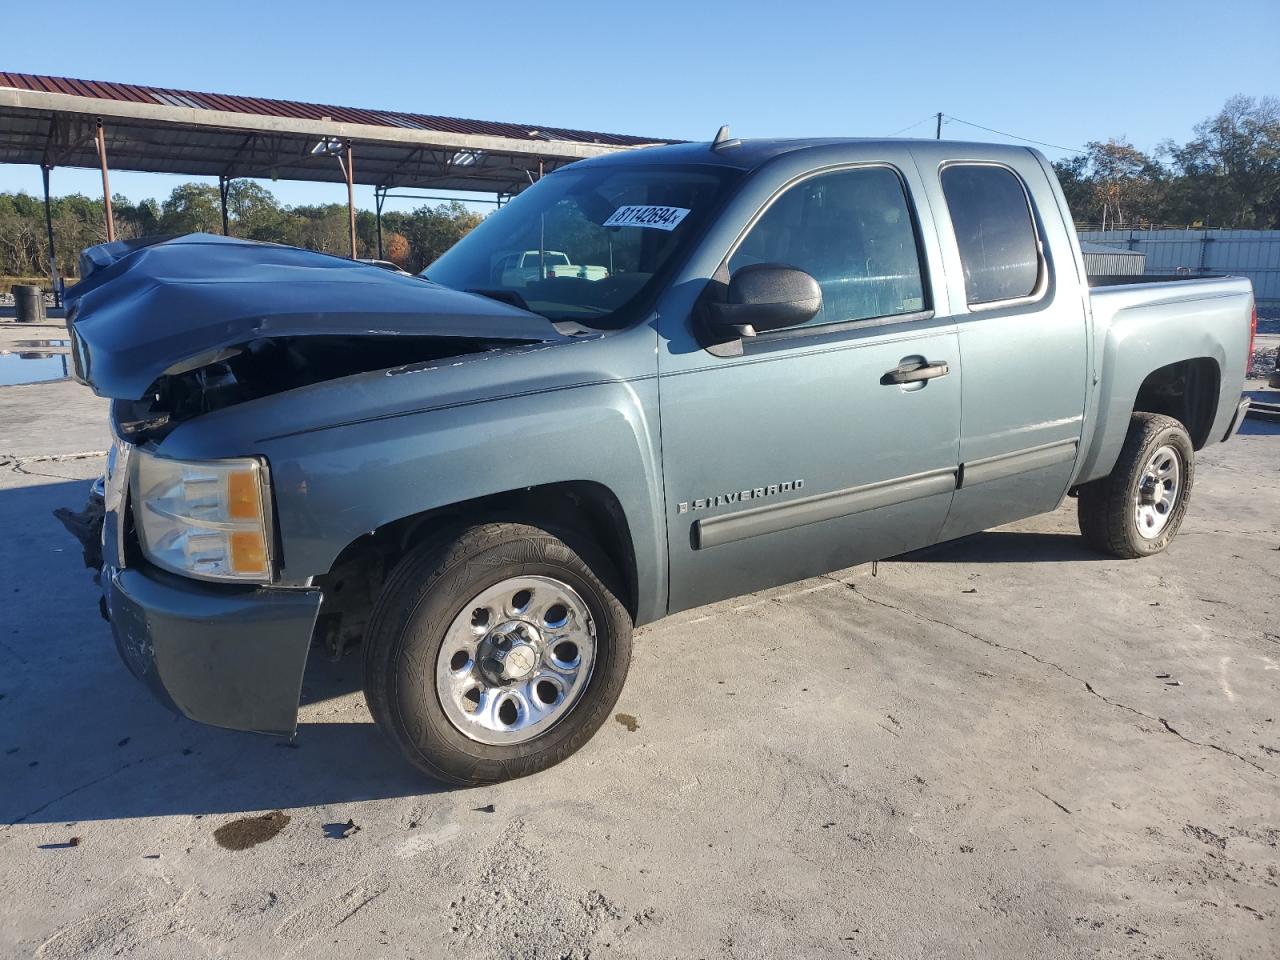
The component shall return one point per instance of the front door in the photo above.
(805, 454)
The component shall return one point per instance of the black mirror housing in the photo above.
(766, 296)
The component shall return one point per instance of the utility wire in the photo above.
(1014, 136)
(911, 126)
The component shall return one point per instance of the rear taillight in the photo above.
(1253, 334)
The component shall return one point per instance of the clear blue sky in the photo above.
(1064, 73)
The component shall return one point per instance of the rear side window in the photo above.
(994, 231)
(852, 231)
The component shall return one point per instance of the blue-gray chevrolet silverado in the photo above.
(771, 359)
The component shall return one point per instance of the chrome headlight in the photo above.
(208, 519)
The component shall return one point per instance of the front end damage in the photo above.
(178, 328)
(227, 656)
(175, 330)
(231, 659)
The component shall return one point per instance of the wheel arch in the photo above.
(1187, 391)
(1168, 349)
(574, 510)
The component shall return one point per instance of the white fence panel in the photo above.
(1245, 253)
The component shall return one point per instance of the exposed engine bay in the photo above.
(274, 365)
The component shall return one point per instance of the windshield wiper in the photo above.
(509, 297)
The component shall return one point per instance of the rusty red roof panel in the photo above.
(134, 93)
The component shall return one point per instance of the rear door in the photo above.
(1022, 325)
(800, 455)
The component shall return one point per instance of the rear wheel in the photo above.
(496, 654)
(1137, 510)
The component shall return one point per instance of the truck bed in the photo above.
(1128, 279)
(1147, 324)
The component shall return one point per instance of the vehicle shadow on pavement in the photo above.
(177, 767)
(1007, 546)
(1253, 427)
(81, 739)
(326, 679)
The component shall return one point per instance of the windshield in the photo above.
(583, 245)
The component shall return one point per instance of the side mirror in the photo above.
(766, 296)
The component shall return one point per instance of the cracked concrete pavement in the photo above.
(999, 747)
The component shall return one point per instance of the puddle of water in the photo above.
(32, 366)
(37, 344)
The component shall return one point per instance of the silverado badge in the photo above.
(739, 496)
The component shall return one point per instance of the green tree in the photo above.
(20, 243)
(1073, 174)
(135, 220)
(1127, 187)
(254, 211)
(192, 208)
(431, 230)
(325, 228)
(78, 222)
(1230, 171)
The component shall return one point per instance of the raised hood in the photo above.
(146, 310)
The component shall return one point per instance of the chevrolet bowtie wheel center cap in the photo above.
(519, 662)
(514, 650)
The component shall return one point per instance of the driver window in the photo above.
(852, 231)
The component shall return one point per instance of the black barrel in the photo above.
(30, 303)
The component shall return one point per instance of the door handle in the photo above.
(916, 371)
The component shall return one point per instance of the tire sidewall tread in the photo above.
(429, 587)
(1105, 506)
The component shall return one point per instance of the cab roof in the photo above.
(749, 154)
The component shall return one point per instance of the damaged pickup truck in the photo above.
(772, 359)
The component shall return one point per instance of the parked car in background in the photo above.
(517, 269)
(804, 355)
(578, 271)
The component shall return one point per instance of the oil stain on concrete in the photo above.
(250, 831)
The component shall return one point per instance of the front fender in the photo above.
(333, 485)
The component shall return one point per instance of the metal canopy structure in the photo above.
(61, 122)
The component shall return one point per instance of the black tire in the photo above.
(1105, 507)
(421, 598)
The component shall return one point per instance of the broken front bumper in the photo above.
(227, 655)
(230, 657)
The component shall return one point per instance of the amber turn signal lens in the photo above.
(248, 552)
(244, 499)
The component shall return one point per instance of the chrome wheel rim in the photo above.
(516, 660)
(1158, 489)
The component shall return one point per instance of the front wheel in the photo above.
(1137, 510)
(497, 654)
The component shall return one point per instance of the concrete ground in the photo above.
(1000, 747)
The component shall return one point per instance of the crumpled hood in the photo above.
(144, 310)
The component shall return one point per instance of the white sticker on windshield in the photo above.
(659, 218)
